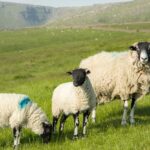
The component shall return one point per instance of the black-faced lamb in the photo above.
(73, 98)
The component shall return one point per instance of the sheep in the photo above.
(73, 98)
(17, 111)
(124, 75)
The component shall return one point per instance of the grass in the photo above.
(34, 62)
(130, 26)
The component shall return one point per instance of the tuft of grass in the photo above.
(25, 76)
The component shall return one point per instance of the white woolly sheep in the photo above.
(124, 75)
(17, 111)
(73, 98)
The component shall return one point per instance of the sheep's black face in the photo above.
(79, 76)
(46, 136)
(143, 50)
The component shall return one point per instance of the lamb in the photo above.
(121, 75)
(73, 98)
(17, 111)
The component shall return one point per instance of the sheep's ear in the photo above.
(88, 72)
(69, 72)
(45, 125)
(133, 48)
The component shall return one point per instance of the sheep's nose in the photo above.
(144, 56)
(145, 59)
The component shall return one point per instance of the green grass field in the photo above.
(35, 61)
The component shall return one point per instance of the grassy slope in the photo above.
(34, 62)
(131, 26)
(134, 11)
(11, 15)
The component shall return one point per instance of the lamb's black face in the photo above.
(79, 76)
(46, 136)
(143, 50)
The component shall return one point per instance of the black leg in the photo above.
(132, 121)
(16, 135)
(85, 120)
(62, 122)
(133, 102)
(55, 120)
(76, 125)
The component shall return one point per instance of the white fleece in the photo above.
(117, 76)
(69, 99)
(12, 115)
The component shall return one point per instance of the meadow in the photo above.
(35, 61)
(143, 26)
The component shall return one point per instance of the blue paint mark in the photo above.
(117, 54)
(24, 102)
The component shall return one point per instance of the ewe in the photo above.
(124, 75)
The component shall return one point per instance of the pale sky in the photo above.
(62, 3)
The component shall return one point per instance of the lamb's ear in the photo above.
(69, 72)
(133, 48)
(88, 71)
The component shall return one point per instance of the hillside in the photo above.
(20, 16)
(116, 13)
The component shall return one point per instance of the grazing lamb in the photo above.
(121, 75)
(17, 111)
(73, 98)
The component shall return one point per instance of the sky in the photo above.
(63, 3)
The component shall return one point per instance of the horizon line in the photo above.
(103, 3)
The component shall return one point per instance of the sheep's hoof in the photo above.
(83, 136)
(60, 133)
(75, 137)
(124, 122)
(132, 121)
(54, 132)
(15, 147)
(54, 135)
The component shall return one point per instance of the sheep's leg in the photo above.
(62, 122)
(76, 125)
(16, 134)
(85, 120)
(124, 122)
(55, 120)
(93, 115)
(133, 103)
